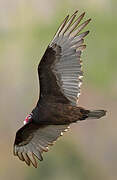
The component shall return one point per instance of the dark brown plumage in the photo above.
(60, 79)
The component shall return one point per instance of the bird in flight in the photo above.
(60, 76)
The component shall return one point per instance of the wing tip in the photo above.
(75, 12)
(83, 14)
(32, 159)
(87, 32)
(88, 20)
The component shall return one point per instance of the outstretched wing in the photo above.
(33, 139)
(60, 68)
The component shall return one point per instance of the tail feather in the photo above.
(96, 114)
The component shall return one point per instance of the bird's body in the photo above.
(58, 113)
(60, 79)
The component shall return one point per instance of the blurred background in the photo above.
(89, 150)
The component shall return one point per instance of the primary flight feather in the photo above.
(60, 80)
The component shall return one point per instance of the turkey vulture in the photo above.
(60, 79)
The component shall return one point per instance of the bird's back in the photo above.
(58, 113)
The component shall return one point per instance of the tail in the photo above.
(96, 114)
(74, 114)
